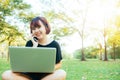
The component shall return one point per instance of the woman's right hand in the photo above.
(35, 42)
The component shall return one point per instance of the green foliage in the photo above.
(114, 37)
(77, 54)
(62, 23)
(90, 52)
(10, 32)
(117, 53)
(61, 32)
(25, 17)
(117, 21)
(8, 7)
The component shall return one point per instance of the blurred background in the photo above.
(85, 29)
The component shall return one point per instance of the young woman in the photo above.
(40, 29)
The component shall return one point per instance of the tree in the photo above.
(55, 18)
(114, 36)
(83, 16)
(59, 30)
(10, 11)
(117, 21)
(9, 34)
(114, 40)
(7, 9)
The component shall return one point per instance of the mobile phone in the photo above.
(35, 39)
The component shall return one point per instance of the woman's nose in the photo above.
(36, 30)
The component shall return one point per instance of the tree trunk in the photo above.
(105, 47)
(114, 51)
(83, 56)
(100, 51)
(105, 56)
(8, 56)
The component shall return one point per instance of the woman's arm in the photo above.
(58, 65)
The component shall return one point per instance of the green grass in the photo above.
(90, 69)
(4, 65)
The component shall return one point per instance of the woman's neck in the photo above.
(43, 41)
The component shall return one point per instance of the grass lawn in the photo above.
(86, 70)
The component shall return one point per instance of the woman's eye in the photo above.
(39, 26)
(33, 28)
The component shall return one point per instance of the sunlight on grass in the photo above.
(92, 70)
(86, 70)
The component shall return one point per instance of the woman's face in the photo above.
(39, 32)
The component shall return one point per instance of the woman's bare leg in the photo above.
(57, 75)
(9, 75)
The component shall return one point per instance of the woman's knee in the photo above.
(62, 73)
(6, 75)
(9, 75)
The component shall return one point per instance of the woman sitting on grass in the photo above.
(39, 28)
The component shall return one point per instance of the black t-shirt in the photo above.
(53, 44)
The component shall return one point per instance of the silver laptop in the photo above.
(29, 59)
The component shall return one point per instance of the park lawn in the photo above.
(92, 69)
